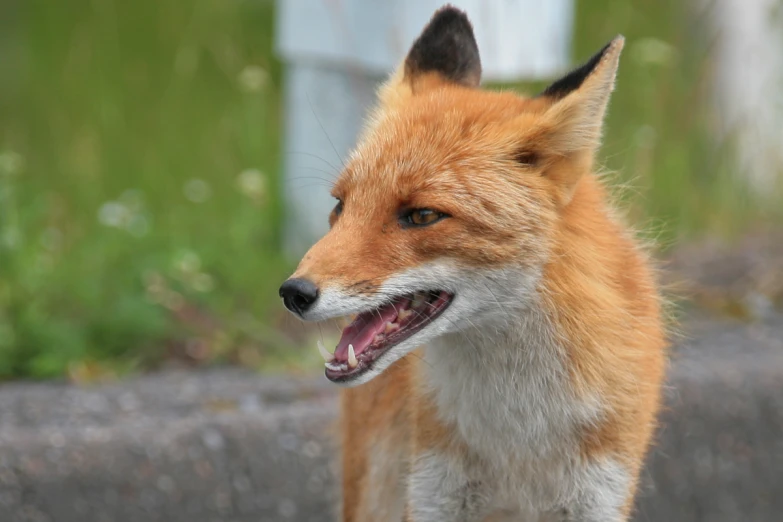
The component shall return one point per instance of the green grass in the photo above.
(139, 164)
(139, 204)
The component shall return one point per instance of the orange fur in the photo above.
(515, 175)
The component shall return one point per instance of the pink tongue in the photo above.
(361, 332)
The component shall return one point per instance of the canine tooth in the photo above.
(328, 357)
(404, 314)
(352, 361)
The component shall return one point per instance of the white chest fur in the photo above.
(508, 395)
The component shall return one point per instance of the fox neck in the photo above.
(506, 386)
(506, 392)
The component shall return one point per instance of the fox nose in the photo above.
(298, 295)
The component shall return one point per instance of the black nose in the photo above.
(298, 295)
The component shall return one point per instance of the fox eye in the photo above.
(338, 209)
(421, 217)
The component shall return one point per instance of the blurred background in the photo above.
(150, 159)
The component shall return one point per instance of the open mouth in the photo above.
(374, 332)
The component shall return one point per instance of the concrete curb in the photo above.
(228, 445)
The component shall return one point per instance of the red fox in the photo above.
(507, 331)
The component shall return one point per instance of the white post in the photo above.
(336, 53)
(748, 86)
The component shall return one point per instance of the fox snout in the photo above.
(299, 295)
(394, 305)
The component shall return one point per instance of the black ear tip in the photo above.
(450, 13)
(449, 20)
(448, 46)
(573, 80)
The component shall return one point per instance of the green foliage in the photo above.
(139, 160)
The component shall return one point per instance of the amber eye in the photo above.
(421, 217)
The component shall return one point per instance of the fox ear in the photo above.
(564, 133)
(447, 47)
(445, 51)
(578, 102)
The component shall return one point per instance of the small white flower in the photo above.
(252, 78)
(197, 190)
(113, 214)
(126, 213)
(252, 183)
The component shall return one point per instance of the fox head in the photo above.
(445, 211)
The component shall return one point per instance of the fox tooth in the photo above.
(390, 327)
(328, 357)
(334, 367)
(404, 314)
(418, 300)
(352, 361)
